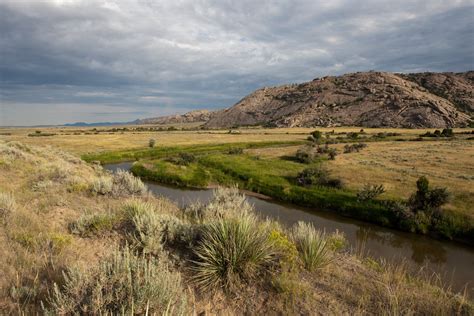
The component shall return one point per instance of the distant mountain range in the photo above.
(370, 99)
(84, 124)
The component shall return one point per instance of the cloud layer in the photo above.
(91, 60)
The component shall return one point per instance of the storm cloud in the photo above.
(90, 60)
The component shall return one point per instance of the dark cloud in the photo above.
(68, 60)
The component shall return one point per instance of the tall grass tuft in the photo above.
(7, 204)
(232, 251)
(313, 246)
(125, 284)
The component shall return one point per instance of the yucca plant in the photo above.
(313, 246)
(231, 251)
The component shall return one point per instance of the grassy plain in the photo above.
(395, 161)
(85, 140)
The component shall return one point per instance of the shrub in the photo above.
(332, 153)
(235, 151)
(285, 249)
(126, 183)
(317, 176)
(151, 143)
(123, 284)
(102, 185)
(426, 199)
(231, 251)
(354, 147)
(94, 224)
(225, 203)
(352, 135)
(305, 155)
(317, 135)
(370, 192)
(183, 159)
(312, 246)
(152, 230)
(7, 204)
(447, 132)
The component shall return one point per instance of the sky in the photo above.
(65, 61)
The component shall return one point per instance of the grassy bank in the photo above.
(72, 237)
(165, 151)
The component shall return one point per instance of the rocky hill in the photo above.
(190, 117)
(371, 99)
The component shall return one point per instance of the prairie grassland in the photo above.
(70, 246)
(87, 141)
(397, 165)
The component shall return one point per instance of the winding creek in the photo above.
(453, 262)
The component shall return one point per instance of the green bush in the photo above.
(235, 151)
(312, 245)
(230, 252)
(317, 176)
(151, 143)
(426, 199)
(125, 284)
(183, 159)
(370, 192)
(354, 147)
(316, 135)
(94, 224)
(306, 154)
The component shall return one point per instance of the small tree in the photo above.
(151, 143)
(317, 135)
(425, 199)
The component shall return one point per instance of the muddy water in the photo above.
(453, 262)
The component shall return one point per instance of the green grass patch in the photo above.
(160, 152)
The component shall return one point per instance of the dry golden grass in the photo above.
(109, 141)
(397, 165)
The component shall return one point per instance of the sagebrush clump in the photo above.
(125, 283)
(225, 203)
(121, 183)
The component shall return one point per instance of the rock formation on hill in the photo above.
(190, 117)
(370, 99)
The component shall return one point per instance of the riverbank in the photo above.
(276, 178)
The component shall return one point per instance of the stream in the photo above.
(453, 262)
